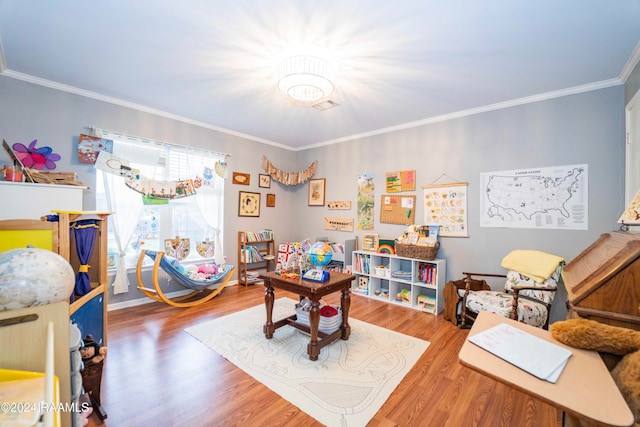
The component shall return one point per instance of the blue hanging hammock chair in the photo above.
(203, 289)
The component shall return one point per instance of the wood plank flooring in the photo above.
(158, 375)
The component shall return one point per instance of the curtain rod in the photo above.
(94, 131)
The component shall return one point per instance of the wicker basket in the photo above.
(426, 253)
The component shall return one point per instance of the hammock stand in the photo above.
(202, 288)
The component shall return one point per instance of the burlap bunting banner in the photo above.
(288, 178)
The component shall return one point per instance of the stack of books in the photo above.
(402, 275)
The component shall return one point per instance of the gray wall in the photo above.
(583, 128)
(56, 118)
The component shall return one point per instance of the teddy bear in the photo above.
(619, 341)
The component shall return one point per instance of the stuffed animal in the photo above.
(93, 355)
(592, 335)
(92, 351)
(210, 269)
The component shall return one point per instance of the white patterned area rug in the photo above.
(348, 383)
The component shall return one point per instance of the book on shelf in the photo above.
(427, 273)
(434, 230)
(251, 254)
(251, 276)
(362, 263)
(336, 247)
(259, 236)
(333, 266)
(402, 275)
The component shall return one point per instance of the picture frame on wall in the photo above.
(370, 242)
(241, 178)
(249, 204)
(264, 181)
(271, 200)
(316, 192)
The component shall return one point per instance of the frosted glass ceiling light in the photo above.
(306, 78)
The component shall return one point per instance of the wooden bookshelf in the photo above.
(256, 252)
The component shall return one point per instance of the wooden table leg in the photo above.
(269, 327)
(345, 305)
(313, 350)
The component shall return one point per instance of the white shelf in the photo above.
(408, 282)
(26, 200)
(342, 254)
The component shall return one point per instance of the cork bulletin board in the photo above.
(397, 209)
(401, 181)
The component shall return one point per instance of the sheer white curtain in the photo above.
(126, 204)
(209, 197)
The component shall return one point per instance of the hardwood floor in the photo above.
(158, 375)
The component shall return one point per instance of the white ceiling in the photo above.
(401, 63)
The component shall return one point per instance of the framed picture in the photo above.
(386, 246)
(241, 178)
(316, 192)
(264, 181)
(249, 204)
(370, 242)
(271, 200)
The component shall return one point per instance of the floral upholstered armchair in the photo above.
(531, 284)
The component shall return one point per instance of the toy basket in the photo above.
(426, 253)
(327, 324)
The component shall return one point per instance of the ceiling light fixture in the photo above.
(306, 79)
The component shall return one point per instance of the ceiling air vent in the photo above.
(325, 105)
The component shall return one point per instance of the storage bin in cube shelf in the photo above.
(383, 271)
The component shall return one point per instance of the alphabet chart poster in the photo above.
(445, 205)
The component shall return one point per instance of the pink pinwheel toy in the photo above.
(36, 158)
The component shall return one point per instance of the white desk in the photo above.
(585, 389)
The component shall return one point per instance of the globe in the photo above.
(320, 254)
(31, 276)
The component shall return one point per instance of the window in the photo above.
(149, 224)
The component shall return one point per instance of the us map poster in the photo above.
(548, 198)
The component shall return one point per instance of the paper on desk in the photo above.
(534, 355)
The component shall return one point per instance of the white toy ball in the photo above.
(32, 276)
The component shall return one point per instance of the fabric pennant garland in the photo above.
(162, 189)
(113, 164)
(221, 169)
(289, 178)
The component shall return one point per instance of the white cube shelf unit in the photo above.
(409, 282)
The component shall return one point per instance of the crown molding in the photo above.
(492, 107)
(631, 64)
(99, 97)
(3, 62)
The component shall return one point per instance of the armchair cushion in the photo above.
(501, 303)
(516, 279)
